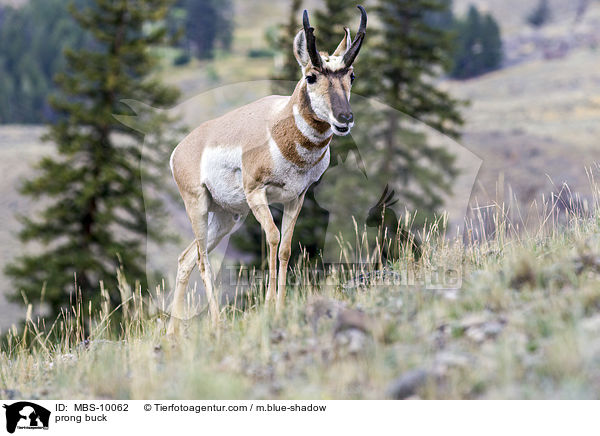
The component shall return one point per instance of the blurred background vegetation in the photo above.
(527, 69)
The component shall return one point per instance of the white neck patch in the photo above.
(307, 130)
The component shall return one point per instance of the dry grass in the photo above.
(524, 324)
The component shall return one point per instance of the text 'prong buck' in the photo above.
(269, 151)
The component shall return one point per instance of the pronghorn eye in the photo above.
(352, 77)
(311, 79)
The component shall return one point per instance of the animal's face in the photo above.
(328, 78)
(329, 93)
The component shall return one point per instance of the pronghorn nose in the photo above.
(346, 117)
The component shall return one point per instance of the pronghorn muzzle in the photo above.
(341, 111)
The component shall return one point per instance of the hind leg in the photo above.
(197, 206)
(185, 266)
(219, 223)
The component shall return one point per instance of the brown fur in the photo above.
(285, 133)
(226, 131)
(307, 113)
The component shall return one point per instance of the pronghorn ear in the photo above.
(300, 50)
(344, 45)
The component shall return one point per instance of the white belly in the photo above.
(221, 172)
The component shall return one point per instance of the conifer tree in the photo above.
(32, 38)
(478, 47)
(491, 43)
(408, 45)
(330, 21)
(289, 69)
(94, 215)
(398, 66)
(208, 23)
(441, 17)
(540, 15)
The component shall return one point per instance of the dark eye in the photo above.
(352, 77)
(311, 79)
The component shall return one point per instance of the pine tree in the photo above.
(32, 38)
(478, 48)
(468, 46)
(405, 51)
(94, 214)
(289, 69)
(491, 43)
(208, 23)
(441, 18)
(540, 15)
(398, 68)
(330, 22)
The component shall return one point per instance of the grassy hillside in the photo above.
(533, 123)
(524, 324)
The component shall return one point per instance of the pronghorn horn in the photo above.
(358, 38)
(311, 44)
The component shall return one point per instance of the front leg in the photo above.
(257, 200)
(291, 211)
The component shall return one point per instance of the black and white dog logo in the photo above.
(26, 415)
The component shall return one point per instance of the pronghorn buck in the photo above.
(269, 151)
